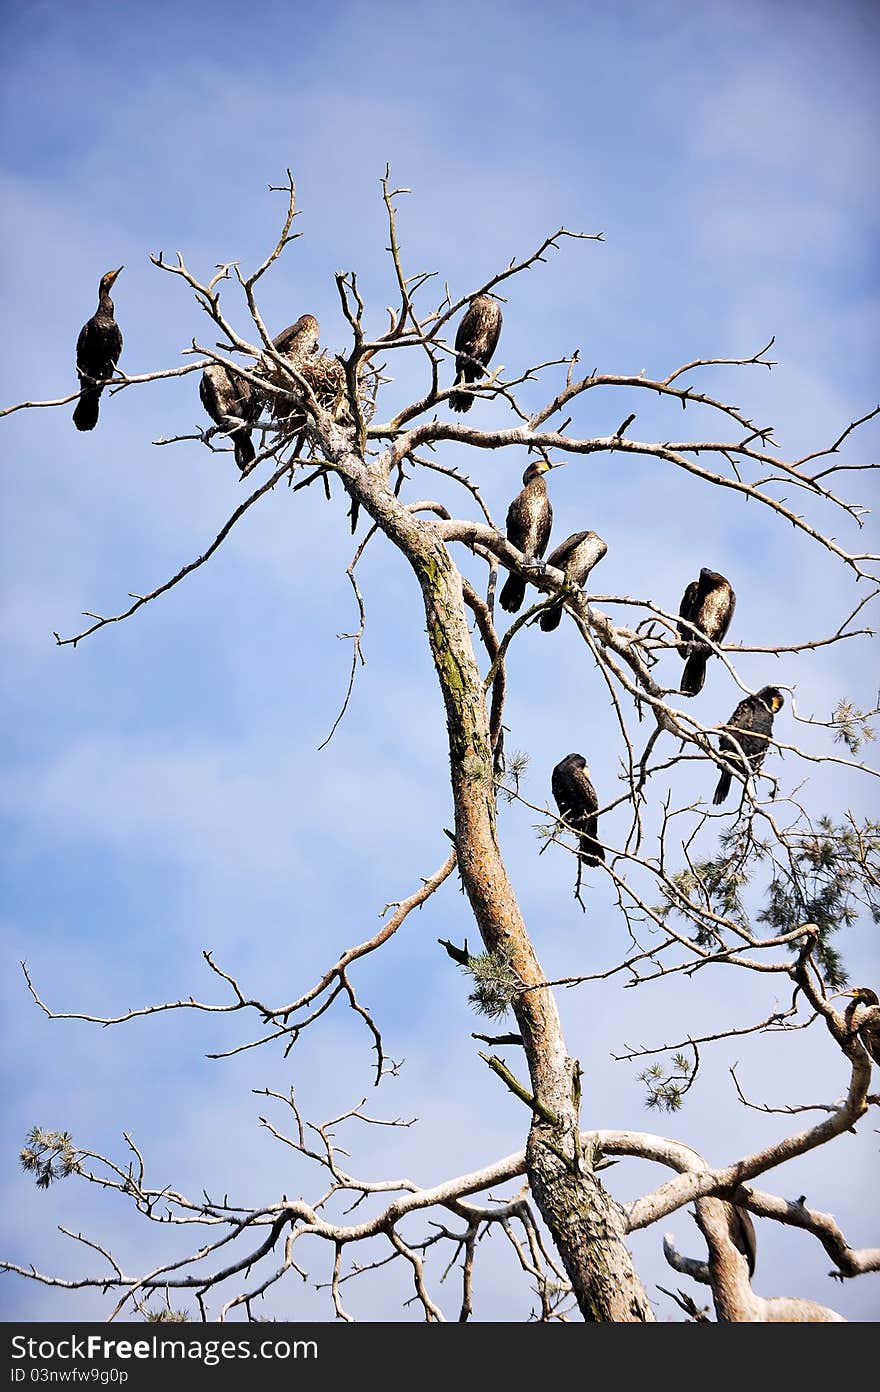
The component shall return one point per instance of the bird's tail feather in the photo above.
(85, 416)
(244, 448)
(550, 617)
(591, 852)
(460, 401)
(694, 674)
(513, 593)
(742, 1233)
(723, 788)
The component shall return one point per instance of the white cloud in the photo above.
(165, 791)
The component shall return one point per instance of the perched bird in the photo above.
(323, 373)
(709, 604)
(97, 353)
(298, 343)
(862, 1017)
(577, 802)
(576, 556)
(475, 342)
(228, 398)
(742, 1233)
(529, 519)
(298, 340)
(750, 726)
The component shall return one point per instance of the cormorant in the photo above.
(709, 604)
(296, 343)
(576, 556)
(529, 519)
(97, 353)
(298, 340)
(475, 342)
(577, 802)
(752, 725)
(862, 1017)
(742, 1234)
(324, 374)
(225, 394)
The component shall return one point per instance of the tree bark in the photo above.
(735, 1301)
(586, 1223)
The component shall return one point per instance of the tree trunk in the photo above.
(587, 1225)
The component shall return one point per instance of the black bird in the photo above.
(475, 342)
(226, 395)
(97, 353)
(709, 604)
(742, 1233)
(529, 519)
(576, 556)
(863, 1018)
(751, 725)
(577, 802)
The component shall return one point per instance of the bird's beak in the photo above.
(837, 994)
(561, 464)
(113, 274)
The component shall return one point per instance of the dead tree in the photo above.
(567, 1229)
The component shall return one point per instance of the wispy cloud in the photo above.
(164, 790)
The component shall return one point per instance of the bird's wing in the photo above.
(566, 790)
(466, 330)
(589, 793)
(566, 549)
(512, 521)
(83, 343)
(115, 345)
(543, 529)
(743, 717)
(494, 332)
(731, 605)
(687, 609)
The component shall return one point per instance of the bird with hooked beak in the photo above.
(475, 342)
(529, 520)
(97, 352)
(862, 1017)
(746, 736)
(575, 796)
(576, 557)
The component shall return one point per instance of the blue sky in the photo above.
(163, 791)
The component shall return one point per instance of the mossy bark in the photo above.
(587, 1225)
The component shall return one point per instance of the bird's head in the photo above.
(301, 337)
(862, 995)
(772, 698)
(541, 466)
(108, 280)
